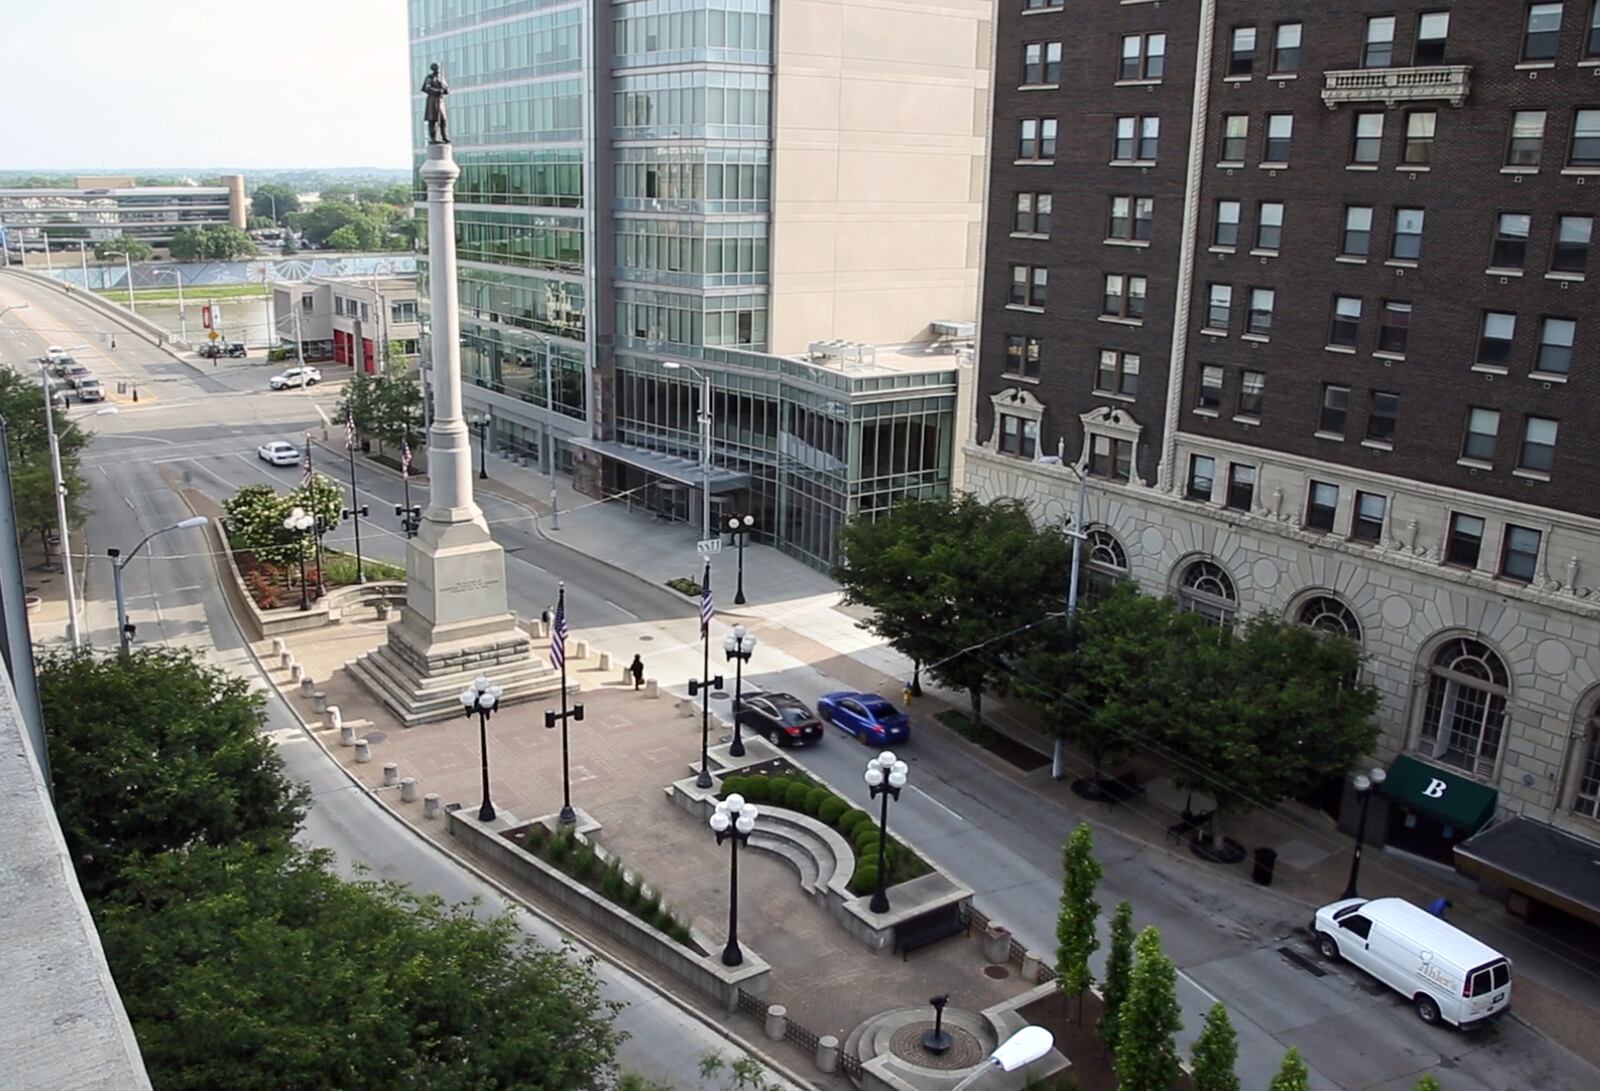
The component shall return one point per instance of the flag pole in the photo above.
(355, 497)
(558, 659)
(405, 478)
(316, 516)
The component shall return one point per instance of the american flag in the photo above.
(405, 457)
(558, 634)
(708, 607)
(350, 432)
(305, 464)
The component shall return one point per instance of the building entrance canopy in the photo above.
(684, 471)
(1454, 800)
(1544, 863)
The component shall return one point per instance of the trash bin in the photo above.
(1266, 860)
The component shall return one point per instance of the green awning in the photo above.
(1447, 796)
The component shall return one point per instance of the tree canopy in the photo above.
(264, 970)
(954, 584)
(1293, 1075)
(1215, 1052)
(155, 751)
(273, 200)
(256, 514)
(1080, 913)
(135, 248)
(33, 489)
(387, 406)
(217, 242)
(1146, 1054)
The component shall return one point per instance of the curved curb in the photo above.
(733, 1038)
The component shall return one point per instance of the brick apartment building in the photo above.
(1306, 293)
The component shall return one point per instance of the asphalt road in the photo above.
(1231, 940)
(174, 599)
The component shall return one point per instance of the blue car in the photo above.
(866, 716)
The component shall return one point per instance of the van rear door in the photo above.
(1487, 991)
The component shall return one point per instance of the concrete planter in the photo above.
(487, 842)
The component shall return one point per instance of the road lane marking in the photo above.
(953, 814)
(622, 610)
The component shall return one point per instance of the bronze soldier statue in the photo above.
(436, 89)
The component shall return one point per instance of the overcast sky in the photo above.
(205, 83)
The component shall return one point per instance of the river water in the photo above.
(246, 320)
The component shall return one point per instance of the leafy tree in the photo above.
(225, 242)
(256, 514)
(1260, 715)
(155, 751)
(187, 244)
(256, 971)
(289, 245)
(1146, 1056)
(360, 401)
(1119, 968)
(136, 249)
(1428, 1082)
(1292, 1075)
(954, 584)
(33, 489)
(260, 223)
(397, 408)
(272, 199)
(1215, 1052)
(1075, 926)
(345, 238)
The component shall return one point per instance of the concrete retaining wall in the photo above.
(485, 842)
(142, 327)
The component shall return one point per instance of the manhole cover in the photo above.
(999, 973)
(645, 638)
(376, 736)
(719, 695)
(964, 1052)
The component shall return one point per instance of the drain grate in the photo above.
(1295, 958)
(999, 973)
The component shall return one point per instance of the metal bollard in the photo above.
(430, 805)
(347, 734)
(308, 687)
(319, 701)
(363, 751)
(391, 774)
(828, 1054)
(408, 789)
(777, 1022)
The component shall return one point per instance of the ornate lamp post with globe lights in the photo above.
(733, 820)
(1365, 784)
(738, 646)
(740, 528)
(300, 523)
(885, 776)
(481, 698)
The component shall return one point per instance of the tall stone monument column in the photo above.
(456, 623)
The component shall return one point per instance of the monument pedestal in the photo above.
(456, 624)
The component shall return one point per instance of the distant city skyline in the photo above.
(118, 82)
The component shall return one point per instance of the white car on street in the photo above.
(52, 354)
(279, 453)
(295, 376)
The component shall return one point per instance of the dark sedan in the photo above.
(780, 718)
(866, 716)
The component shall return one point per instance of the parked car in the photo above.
(213, 349)
(51, 354)
(866, 716)
(75, 374)
(279, 453)
(295, 376)
(90, 390)
(1447, 975)
(58, 367)
(235, 349)
(780, 718)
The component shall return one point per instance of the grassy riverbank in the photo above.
(200, 293)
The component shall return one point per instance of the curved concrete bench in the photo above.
(823, 858)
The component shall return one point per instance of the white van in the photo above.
(1448, 975)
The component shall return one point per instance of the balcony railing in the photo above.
(1392, 86)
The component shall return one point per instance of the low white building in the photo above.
(372, 320)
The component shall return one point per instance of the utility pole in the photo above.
(1058, 754)
(299, 345)
(61, 514)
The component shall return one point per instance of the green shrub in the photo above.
(815, 799)
(561, 848)
(584, 862)
(832, 809)
(735, 785)
(756, 788)
(778, 789)
(795, 796)
(864, 835)
(612, 881)
(534, 839)
(680, 932)
(851, 820)
(684, 585)
(632, 894)
(865, 880)
(649, 904)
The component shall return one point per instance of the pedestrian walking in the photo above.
(637, 667)
(1438, 906)
(113, 342)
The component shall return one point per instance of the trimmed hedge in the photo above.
(815, 799)
(865, 880)
(830, 811)
(796, 796)
(851, 820)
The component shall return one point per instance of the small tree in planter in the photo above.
(1215, 1052)
(1075, 926)
(1292, 1075)
(1147, 1057)
(1119, 967)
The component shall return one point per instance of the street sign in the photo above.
(707, 546)
(214, 335)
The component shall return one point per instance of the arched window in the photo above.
(1465, 712)
(1327, 614)
(1207, 590)
(1106, 562)
(1586, 800)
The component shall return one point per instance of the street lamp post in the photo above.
(739, 527)
(480, 424)
(1022, 1048)
(733, 820)
(127, 263)
(738, 646)
(885, 776)
(481, 698)
(183, 313)
(300, 523)
(119, 562)
(703, 685)
(705, 441)
(1365, 784)
(61, 511)
(1058, 757)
